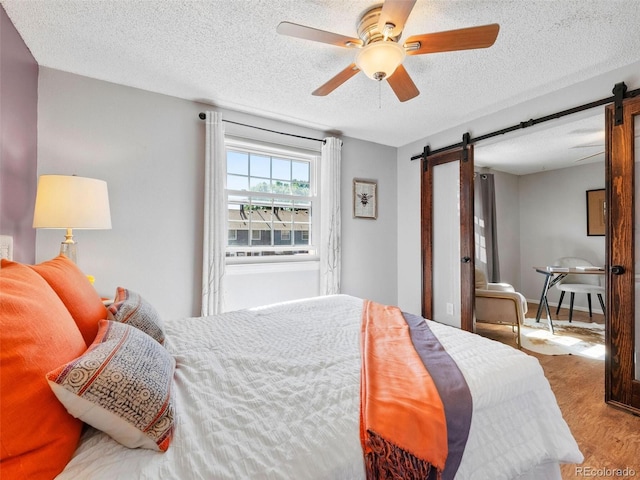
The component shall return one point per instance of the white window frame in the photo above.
(262, 148)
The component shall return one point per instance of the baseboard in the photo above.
(553, 305)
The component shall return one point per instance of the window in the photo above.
(270, 198)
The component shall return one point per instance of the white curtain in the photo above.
(215, 217)
(330, 246)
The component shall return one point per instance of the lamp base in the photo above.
(70, 251)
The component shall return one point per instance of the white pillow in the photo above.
(122, 386)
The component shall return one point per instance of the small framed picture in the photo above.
(596, 212)
(365, 199)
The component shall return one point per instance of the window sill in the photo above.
(271, 259)
(265, 266)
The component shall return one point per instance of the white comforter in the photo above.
(273, 393)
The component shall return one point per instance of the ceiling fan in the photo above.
(380, 55)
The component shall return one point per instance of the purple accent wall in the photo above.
(18, 140)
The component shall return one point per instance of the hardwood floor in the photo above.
(609, 438)
(578, 315)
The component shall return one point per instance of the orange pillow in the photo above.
(37, 334)
(76, 292)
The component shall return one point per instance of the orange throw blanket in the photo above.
(403, 428)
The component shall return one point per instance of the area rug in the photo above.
(575, 338)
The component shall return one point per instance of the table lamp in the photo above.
(68, 202)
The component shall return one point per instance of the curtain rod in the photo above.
(203, 115)
(532, 122)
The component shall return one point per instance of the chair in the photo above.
(499, 303)
(578, 284)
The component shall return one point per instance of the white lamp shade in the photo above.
(64, 201)
(380, 58)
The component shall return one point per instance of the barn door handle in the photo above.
(617, 269)
(466, 259)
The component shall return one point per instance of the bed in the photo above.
(273, 392)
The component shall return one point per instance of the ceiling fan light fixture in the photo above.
(379, 60)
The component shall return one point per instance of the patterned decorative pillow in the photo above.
(129, 307)
(122, 386)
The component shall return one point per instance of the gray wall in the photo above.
(543, 215)
(150, 150)
(18, 140)
(369, 250)
(553, 224)
(409, 271)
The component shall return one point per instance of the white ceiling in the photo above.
(227, 53)
(546, 147)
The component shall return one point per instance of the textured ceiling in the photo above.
(227, 53)
(546, 147)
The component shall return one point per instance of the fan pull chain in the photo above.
(379, 95)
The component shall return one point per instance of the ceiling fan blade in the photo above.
(588, 157)
(451, 40)
(396, 13)
(590, 145)
(402, 85)
(336, 81)
(309, 33)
